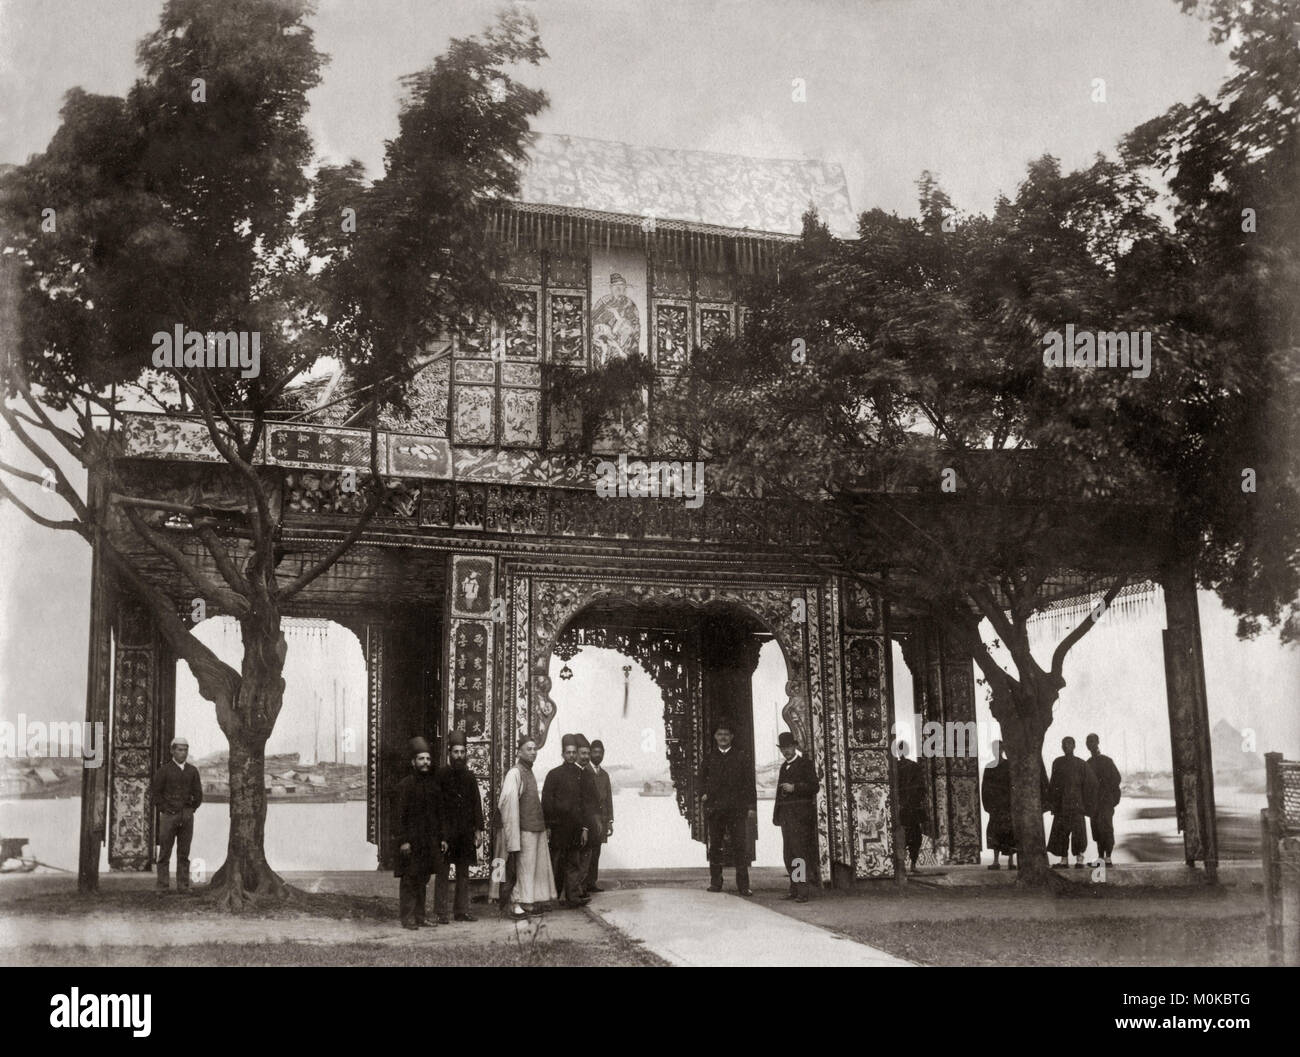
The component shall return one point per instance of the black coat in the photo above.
(462, 812)
(568, 802)
(911, 785)
(417, 822)
(728, 781)
(799, 807)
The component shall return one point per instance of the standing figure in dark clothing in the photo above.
(911, 802)
(795, 811)
(1072, 790)
(730, 808)
(590, 798)
(177, 792)
(417, 834)
(567, 813)
(1107, 777)
(604, 819)
(462, 826)
(995, 793)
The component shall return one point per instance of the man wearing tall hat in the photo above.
(604, 821)
(795, 812)
(462, 826)
(730, 808)
(417, 834)
(567, 811)
(177, 792)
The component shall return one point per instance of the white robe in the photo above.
(534, 878)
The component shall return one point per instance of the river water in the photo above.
(648, 833)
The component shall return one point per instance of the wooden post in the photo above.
(1189, 725)
(94, 780)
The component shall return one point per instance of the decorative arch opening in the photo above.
(315, 758)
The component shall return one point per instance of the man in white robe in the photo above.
(521, 863)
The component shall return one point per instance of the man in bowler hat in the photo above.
(795, 812)
(730, 807)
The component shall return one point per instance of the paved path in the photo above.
(694, 927)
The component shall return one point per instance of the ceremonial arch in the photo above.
(495, 548)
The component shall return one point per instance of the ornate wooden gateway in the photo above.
(496, 550)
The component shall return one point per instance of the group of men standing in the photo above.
(1077, 789)
(439, 822)
(578, 808)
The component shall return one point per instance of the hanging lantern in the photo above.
(566, 673)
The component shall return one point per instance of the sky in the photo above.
(972, 91)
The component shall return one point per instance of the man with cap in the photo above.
(604, 820)
(730, 808)
(567, 811)
(912, 797)
(417, 833)
(522, 872)
(177, 792)
(795, 812)
(462, 827)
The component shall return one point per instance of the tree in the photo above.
(895, 386)
(180, 205)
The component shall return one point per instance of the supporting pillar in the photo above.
(99, 675)
(144, 709)
(728, 660)
(475, 617)
(1189, 724)
(869, 706)
(948, 745)
(404, 702)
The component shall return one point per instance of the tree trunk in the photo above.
(247, 721)
(246, 877)
(1022, 735)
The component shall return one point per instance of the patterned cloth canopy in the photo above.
(698, 187)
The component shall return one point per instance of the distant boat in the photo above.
(657, 788)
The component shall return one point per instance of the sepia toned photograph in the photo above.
(649, 483)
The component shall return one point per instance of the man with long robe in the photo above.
(522, 854)
(1107, 777)
(995, 793)
(1072, 790)
(730, 809)
(567, 811)
(417, 834)
(462, 825)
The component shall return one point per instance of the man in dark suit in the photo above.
(911, 802)
(567, 813)
(730, 807)
(795, 812)
(417, 834)
(604, 819)
(461, 816)
(590, 798)
(177, 792)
